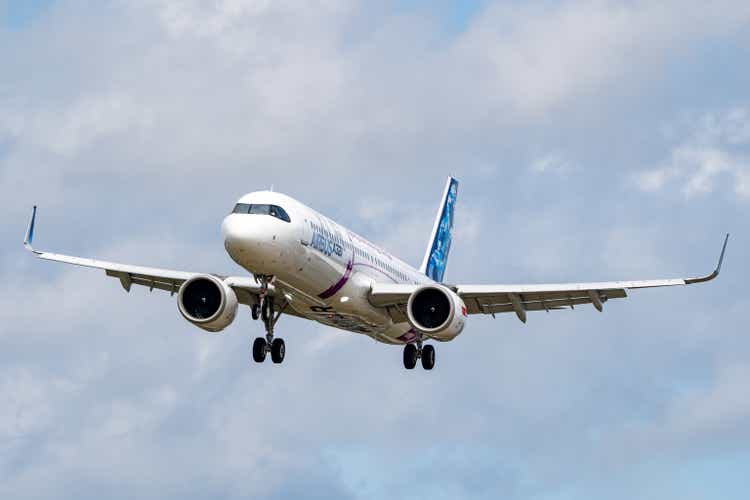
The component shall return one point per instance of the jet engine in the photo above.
(437, 312)
(207, 302)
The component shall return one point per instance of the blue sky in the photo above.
(455, 16)
(593, 141)
(17, 14)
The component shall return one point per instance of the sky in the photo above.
(593, 139)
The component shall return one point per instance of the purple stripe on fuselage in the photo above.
(409, 336)
(340, 284)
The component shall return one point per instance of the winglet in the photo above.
(28, 241)
(716, 272)
(721, 257)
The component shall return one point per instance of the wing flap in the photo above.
(561, 290)
(152, 281)
(492, 307)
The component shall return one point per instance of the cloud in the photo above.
(296, 88)
(137, 124)
(552, 163)
(716, 148)
(537, 57)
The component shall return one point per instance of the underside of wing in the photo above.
(481, 299)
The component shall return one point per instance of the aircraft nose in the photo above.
(255, 241)
(236, 233)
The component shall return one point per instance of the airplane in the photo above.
(302, 263)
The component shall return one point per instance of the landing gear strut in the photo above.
(262, 346)
(415, 351)
(261, 309)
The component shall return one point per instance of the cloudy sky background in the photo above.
(593, 139)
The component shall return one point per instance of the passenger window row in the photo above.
(379, 263)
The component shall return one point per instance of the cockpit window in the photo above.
(272, 210)
(279, 213)
(241, 208)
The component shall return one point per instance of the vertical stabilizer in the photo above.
(436, 256)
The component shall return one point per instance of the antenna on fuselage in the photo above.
(271, 188)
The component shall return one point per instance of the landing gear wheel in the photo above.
(259, 350)
(263, 346)
(410, 356)
(255, 311)
(266, 309)
(428, 357)
(278, 350)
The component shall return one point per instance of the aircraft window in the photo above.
(280, 213)
(259, 209)
(272, 210)
(241, 208)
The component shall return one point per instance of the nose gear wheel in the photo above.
(262, 346)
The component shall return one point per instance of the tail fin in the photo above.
(436, 256)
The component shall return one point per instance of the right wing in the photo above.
(246, 288)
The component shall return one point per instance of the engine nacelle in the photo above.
(207, 302)
(437, 312)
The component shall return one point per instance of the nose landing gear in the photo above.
(415, 351)
(262, 346)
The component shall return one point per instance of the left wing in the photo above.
(162, 279)
(493, 299)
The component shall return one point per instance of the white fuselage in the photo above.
(324, 270)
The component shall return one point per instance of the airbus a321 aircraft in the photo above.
(302, 263)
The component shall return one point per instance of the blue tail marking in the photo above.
(436, 257)
(29, 240)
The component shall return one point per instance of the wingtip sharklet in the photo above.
(717, 271)
(29, 239)
(721, 257)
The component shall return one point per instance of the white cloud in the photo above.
(27, 402)
(656, 179)
(742, 186)
(535, 57)
(314, 87)
(65, 130)
(552, 163)
(375, 209)
(162, 111)
(717, 148)
(708, 164)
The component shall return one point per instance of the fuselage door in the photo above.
(306, 233)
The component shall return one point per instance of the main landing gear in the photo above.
(413, 352)
(262, 346)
